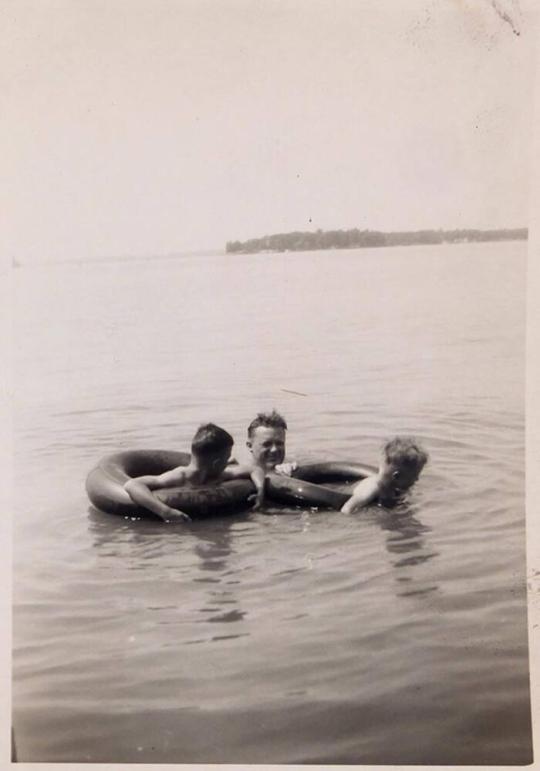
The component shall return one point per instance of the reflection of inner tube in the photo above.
(105, 486)
(301, 490)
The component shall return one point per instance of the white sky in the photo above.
(150, 126)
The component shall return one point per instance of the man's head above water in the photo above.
(266, 439)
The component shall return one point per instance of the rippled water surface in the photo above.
(285, 637)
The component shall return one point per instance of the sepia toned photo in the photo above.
(267, 264)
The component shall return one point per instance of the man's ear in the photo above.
(248, 444)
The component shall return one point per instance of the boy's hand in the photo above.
(256, 501)
(175, 515)
(286, 469)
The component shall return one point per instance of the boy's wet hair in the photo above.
(268, 420)
(405, 451)
(210, 439)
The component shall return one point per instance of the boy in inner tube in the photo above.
(210, 453)
(266, 442)
(402, 461)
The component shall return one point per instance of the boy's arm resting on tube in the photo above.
(364, 493)
(257, 476)
(140, 491)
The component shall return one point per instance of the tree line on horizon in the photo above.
(355, 238)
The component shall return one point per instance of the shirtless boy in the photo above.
(266, 441)
(210, 452)
(402, 461)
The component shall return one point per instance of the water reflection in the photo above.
(205, 553)
(407, 545)
(199, 554)
(107, 530)
(214, 549)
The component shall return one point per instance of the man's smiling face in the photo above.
(267, 445)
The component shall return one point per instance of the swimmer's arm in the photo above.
(257, 476)
(236, 471)
(140, 491)
(364, 493)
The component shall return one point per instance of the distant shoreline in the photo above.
(298, 241)
(310, 241)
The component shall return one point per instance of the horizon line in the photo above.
(18, 262)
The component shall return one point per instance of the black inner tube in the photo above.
(105, 485)
(303, 488)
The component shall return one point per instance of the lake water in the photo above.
(285, 637)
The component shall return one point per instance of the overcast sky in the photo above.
(150, 126)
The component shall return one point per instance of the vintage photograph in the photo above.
(268, 269)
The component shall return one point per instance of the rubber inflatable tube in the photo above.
(301, 490)
(105, 486)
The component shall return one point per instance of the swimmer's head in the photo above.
(266, 439)
(402, 462)
(211, 446)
